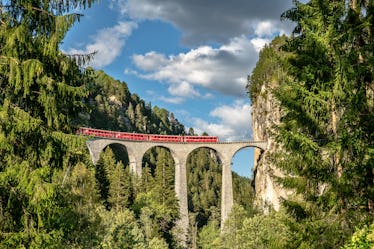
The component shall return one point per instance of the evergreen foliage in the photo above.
(121, 230)
(326, 130)
(244, 194)
(113, 107)
(204, 180)
(156, 202)
(50, 195)
(204, 183)
(260, 231)
(270, 69)
(209, 236)
(40, 96)
(362, 239)
(264, 231)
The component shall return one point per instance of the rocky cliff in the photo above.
(266, 116)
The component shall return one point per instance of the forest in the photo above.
(52, 196)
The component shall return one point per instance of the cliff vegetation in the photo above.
(320, 138)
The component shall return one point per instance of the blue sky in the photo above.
(191, 57)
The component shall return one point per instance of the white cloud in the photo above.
(270, 28)
(172, 100)
(183, 89)
(265, 28)
(259, 43)
(223, 69)
(233, 122)
(167, 99)
(211, 20)
(108, 44)
(149, 61)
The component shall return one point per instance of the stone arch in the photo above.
(259, 149)
(220, 156)
(241, 148)
(212, 163)
(120, 152)
(246, 146)
(171, 151)
(96, 146)
(242, 168)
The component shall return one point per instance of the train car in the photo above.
(85, 131)
(112, 134)
(96, 132)
(200, 139)
(146, 137)
(106, 134)
(131, 136)
(165, 138)
(81, 131)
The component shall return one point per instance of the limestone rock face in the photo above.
(266, 114)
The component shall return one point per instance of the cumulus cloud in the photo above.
(259, 43)
(183, 90)
(233, 122)
(150, 61)
(172, 100)
(223, 69)
(212, 20)
(107, 44)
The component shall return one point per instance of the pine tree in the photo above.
(157, 200)
(204, 179)
(40, 96)
(209, 236)
(139, 118)
(130, 113)
(164, 187)
(191, 132)
(121, 230)
(83, 196)
(120, 187)
(102, 168)
(326, 129)
(244, 194)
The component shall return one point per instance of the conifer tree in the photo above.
(122, 230)
(40, 96)
(157, 200)
(106, 162)
(326, 129)
(82, 193)
(120, 189)
(204, 179)
(164, 189)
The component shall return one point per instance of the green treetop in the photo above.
(326, 129)
(40, 95)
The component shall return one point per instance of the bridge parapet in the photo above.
(259, 144)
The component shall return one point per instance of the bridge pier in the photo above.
(180, 184)
(95, 147)
(227, 199)
(135, 162)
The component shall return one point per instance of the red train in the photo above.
(146, 137)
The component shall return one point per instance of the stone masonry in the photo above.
(180, 152)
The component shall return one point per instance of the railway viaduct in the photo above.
(180, 152)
